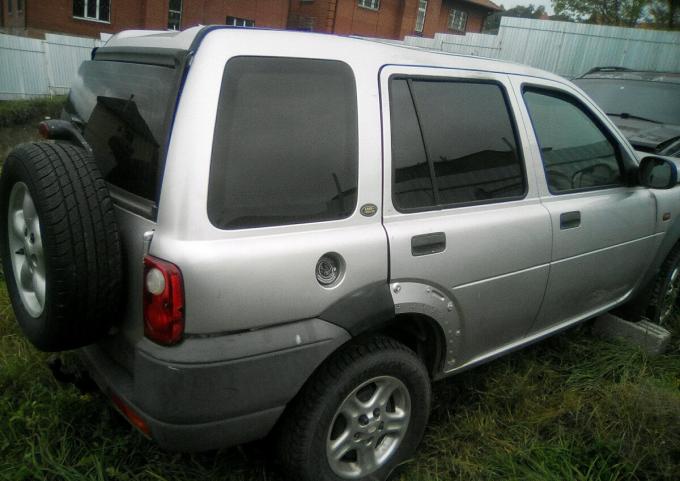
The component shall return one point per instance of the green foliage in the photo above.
(571, 408)
(19, 112)
(665, 13)
(625, 13)
(493, 21)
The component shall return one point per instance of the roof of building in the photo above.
(318, 45)
(486, 4)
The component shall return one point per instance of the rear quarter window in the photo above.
(285, 143)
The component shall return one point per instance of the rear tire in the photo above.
(59, 244)
(361, 415)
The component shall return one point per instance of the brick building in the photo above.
(376, 18)
(390, 18)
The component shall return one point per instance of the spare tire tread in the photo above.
(80, 240)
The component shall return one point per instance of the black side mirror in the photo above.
(658, 173)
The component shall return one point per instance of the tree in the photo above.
(493, 21)
(665, 13)
(605, 12)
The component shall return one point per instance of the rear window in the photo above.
(124, 110)
(285, 148)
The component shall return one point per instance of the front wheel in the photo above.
(361, 415)
(666, 292)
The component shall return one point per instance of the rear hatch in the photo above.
(124, 105)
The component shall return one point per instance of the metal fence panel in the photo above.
(65, 54)
(23, 71)
(566, 48)
(33, 68)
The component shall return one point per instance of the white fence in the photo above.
(565, 48)
(34, 68)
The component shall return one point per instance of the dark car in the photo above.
(644, 105)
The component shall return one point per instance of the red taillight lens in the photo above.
(163, 301)
(44, 130)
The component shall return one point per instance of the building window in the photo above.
(371, 4)
(240, 22)
(306, 24)
(9, 6)
(457, 20)
(20, 5)
(420, 17)
(97, 10)
(174, 14)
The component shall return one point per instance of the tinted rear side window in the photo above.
(285, 148)
(412, 179)
(124, 110)
(468, 138)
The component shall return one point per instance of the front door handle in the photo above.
(422, 245)
(570, 220)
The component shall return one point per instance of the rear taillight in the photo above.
(163, 301)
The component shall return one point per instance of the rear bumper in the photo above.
(213, 392)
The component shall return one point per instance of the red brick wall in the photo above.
(314, 14)
(394, 19)
(265, 13)
(356, 20)
(57, 16)
(152, 14)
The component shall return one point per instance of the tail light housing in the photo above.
(163, 301)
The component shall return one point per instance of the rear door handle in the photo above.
(422, 245)
(570, 220)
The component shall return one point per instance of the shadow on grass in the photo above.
(573, 407)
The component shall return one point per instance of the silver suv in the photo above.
(248, 232)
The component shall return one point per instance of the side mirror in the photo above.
(658, 173)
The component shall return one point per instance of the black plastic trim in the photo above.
(364, 309)
(163, 57)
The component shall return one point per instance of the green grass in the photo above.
(17, 112)
(19, 120)
(571, 408)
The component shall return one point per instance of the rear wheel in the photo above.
(361, 415)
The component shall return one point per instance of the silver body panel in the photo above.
(509, 274)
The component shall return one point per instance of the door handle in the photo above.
(570, 220)
(424, 244)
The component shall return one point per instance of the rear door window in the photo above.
(124, 110)
(285, 143)
(453, 143)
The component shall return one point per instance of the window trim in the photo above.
(515, 130)
(367, 5)
(97, 8)
(583, 107)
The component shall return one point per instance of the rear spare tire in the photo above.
(59, 243)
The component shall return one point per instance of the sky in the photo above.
(513, 3)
